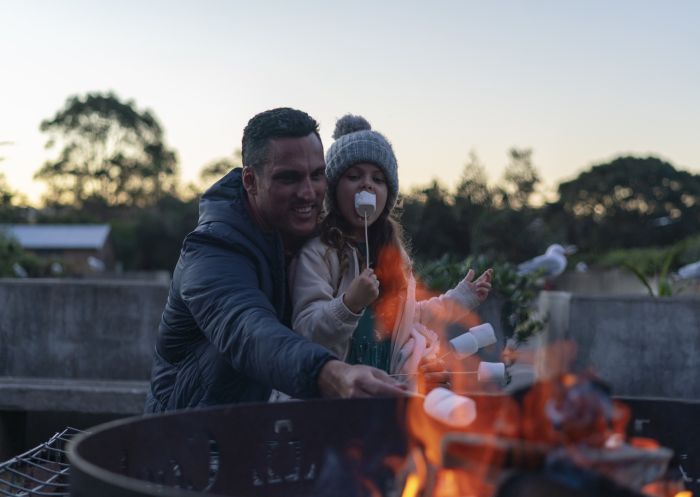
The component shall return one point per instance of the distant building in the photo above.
(79, 248)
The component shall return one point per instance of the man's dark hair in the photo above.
(282, 122)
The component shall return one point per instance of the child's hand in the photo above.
(481, 286)
(363, 290)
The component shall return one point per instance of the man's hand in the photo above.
(338, 379)
(363, 290)
(433, 373)
(482, 285)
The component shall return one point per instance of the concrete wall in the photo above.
(74, 345)
(642, 346)
(618, 282)
(76, 329)
(597, 282)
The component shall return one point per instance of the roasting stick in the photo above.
(365, 204)
(469, 342)
(453, 372)
(366, 241)
(488, 371)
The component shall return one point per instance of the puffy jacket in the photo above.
(318, 286)
(221, 338)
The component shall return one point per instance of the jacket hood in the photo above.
(224, 210)
(225, 196)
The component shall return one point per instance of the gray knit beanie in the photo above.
(355, 142)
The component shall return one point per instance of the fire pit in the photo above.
(320, 447)
(360, 447)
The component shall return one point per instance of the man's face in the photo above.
(288, 194)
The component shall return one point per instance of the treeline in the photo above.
(111, 164)
(630, 202)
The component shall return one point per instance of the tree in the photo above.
(520, 179)
(8, 211)
(15, 262)
(472, 202)
(219, 167)
(430, 222)
(151, 238)
(512, 227)
(109, 150)
(631, 202)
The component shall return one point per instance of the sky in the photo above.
(578, 82)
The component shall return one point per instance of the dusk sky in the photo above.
(578, 82)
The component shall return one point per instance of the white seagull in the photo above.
(550, 265)
(690, 271)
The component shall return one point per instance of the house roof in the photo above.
(57, 236)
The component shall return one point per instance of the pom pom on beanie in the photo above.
(356, 142)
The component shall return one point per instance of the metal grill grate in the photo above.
(42, 470)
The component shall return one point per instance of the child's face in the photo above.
(362, 176)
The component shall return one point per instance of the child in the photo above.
(365, 315)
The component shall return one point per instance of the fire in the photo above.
(413, 486)
(568, 418)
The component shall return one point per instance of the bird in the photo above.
(95, 264)
(549, 265)
(690, 271)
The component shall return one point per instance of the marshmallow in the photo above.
(365, 203)
(465, 344)
(435, 396)
(484, 334)
(492, 371)
(450, 408)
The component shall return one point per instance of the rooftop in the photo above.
(57, 236)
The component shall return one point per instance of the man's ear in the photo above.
(249, 181)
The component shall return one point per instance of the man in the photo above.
(223, 336)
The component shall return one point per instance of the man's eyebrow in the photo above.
(287, 174)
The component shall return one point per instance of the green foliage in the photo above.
(219, 167)
(689, 250)
(109, 151)
(429, 218)
(520, 179)
(476, 218)
(631, 202)
(647, 261)
(665, 287)
(11, 254)
(150, 239)
(517, 291)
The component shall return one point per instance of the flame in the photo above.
(666, 489)
(561, 411)
(644, 443)
(452, 483)
(412, 487)
(570, 413)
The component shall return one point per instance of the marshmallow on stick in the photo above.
(465, 345)
(365, 205)
(476, 338)
(446, 406)
(492, 371)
